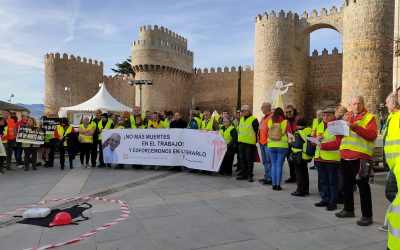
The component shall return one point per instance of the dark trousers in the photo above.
(329, 180)
(96, 144)
(18, 153)
(62, 150)
(85, 152)
(350, 170)
(302, 179)
(2, 160)
(30, 156)
(292, 170)
(9, 152)
(227, 162)
(246, 152)
(53, 145)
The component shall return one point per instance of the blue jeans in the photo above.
(329, 180)
(266, 162)
(277, 156)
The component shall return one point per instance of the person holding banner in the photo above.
(103, 124)
(209, 123)
(229, 133)
(247, 137)
(155, 121)
(62, 132)
(109, 146)
(30, 150)
(96, 144)
(355, 151)
(86, 131)
(120, 123)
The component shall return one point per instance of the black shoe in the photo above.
(34, 168)
(274, 187)
(261, 180)
(321, 204)
(10, 169)
(290, 180)
(241, 178)
(62, 167)
(101, 165)
(307, 193)
(46, 165)
(331, 207)
(267, 183)
(193, 171)
(38, 164)
(26, 169)
(2, 170)
(278, 187)
(297, 193)
(251, 179)
(345, 214)
(365, 221)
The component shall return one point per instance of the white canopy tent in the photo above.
(102, 100)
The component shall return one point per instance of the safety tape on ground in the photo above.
(125, 214)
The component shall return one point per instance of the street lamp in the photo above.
(9, 100)
(140, 83)
(68, 89)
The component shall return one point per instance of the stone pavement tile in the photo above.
(187, 197)
(123, 230)
(265, 227)
(19, 236)
(165, 224)
(86, 244)
(242, 245)
(274, 209)
(153, 211)
(210, 195)
(193, 207)
(291, 241)
(372, 231)
(181, 239)
(224, 233)
(224, 203)
(197, 188)
(142, 243)
(254, 200)
(238, 192)
(21, 200)
(170, 190)
(101, 218)
(65, 233)
(374, 246)
(223, 185)
(7, 208)
(303, 221)
(338, 237)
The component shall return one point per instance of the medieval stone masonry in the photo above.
(281, 52)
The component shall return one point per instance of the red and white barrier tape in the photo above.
(125, 214)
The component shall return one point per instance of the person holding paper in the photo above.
(30, 150)
(327, 159)
(355, 151)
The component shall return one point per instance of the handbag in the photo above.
(391, 186)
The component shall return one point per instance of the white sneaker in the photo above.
(384, 228)
(20, 166)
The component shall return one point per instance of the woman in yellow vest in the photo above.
(86, 131)
(300, 158)
(61, 133)
(393, 215)
(30, 150)
(327, 161)
(278, 145)
(229, 133)
(154, 122)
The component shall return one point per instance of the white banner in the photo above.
(28, 135)
(191, 148)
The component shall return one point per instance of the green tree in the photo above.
(124, 68)
(239, 89)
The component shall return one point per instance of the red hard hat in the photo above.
(61, 218)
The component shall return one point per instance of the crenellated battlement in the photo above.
(325, 53)
(160, 44)
(147, 28)
(220, 70)
(71, 58)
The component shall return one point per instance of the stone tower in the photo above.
(82, 76)
(161, 55)
(367, 50)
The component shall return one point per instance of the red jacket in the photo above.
(369, 133)
(328, 146)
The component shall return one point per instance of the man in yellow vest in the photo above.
(229, 133)
(393, 215)
(194, 120)
(61, 133)
(266, 108)
(327, 161)
(317, 120)
(132, 122)
(103, 124)
(355, 151)
(247, 137)
(96, 143)
(209, 123)
(86, 131)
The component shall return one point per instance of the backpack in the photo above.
(275, 132)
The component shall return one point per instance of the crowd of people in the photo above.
(342, 161)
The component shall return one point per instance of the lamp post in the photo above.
(140, 83)
(68, 89)
(11, 96)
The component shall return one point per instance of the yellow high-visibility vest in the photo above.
(227, 134)
(283, 142)
(356, 143)
(393, 215)
(86, 138)
(246, 133)
(209, 126)
(100, 126)
(333, 155)
(391, 140)
(5, 135)
(60, 131)
(303, 133)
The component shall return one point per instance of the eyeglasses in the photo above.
(288, 112)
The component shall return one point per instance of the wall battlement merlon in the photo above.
(162, 29)
(162, 45)
(294, 16)
(220, 70)
(116, 78)
(325, 52)
(71, 58)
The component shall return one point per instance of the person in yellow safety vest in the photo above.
(104, 124)
(393, 215)
(247, 138)
(154, 122)
(139, 122)
(327, 161)
(3, 134)
(120, 123)
(194, 120)
(136, 112)
(355, 152)
(278, 145)
(317, 120)
(167, 121)
(209, 123)
(86, 131)
(61, 133)
(266, 109)
(96, 143)
(230, 135)
(300, 158)
(201, 115)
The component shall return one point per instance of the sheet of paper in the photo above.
(314, 140)
(339, 127)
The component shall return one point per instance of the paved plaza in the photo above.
(184, 211)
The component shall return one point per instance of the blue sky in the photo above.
(219, 32)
